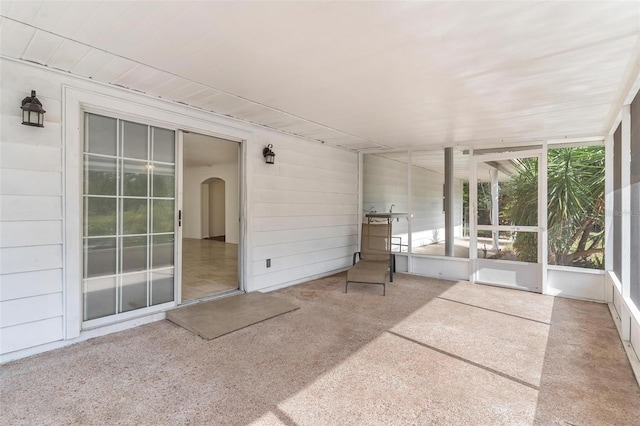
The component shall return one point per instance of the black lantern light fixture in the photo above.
(269, 155)
(32, 112)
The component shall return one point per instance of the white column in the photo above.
(625, 187)
(495, 205)
(473, 217)
(448, 203)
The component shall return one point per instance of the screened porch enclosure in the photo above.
(519, 206)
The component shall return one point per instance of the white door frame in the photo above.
(118, 103)
(180, 201)
(541, 228)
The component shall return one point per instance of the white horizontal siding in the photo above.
(31, 309)
(291, 209)
(30, 157)
(305, 213)
(282, 262)
(309, 184)
(31, 200)
(261, 238)
(305, 246)
(22, 207)
(30, 182)
(31, 334)
(32, 233)
(270, 195)
(25, 259)
(300, 273)
(13, 131)
(28, 284)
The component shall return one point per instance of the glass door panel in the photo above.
(128, 216)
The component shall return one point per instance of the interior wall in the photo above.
(216, 208)
(204, 211)
(194, 203)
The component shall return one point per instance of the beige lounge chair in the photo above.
(375, 257)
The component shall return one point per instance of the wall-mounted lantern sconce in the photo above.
(32, 112)
(270, 156)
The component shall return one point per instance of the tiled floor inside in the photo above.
(430, 352)
(208, 267)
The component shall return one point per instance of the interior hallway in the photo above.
(208, 267)
(430, 352)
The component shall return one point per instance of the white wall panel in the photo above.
(509, 273)
(21, 207)
(30, 334)
(14, 132)
(31, 233)
(572, 282)
(298, 274)
(442, 267)
(30, 157)
(30, 182)
(291, 209)
(261, 238)
(22, 311)
(282, 262)
(25, 259)
(305, 246)
(635, 336)
(297, 184)
(271, 195)
(287, 223)
(27, 284)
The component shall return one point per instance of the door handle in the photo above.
(179, 217)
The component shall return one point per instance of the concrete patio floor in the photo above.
(430, 352)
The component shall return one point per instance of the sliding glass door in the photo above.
(128, 218)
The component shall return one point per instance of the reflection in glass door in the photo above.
(128, 220)
(507, 211)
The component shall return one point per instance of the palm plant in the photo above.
(575, 180)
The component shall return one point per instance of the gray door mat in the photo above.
(218, 317)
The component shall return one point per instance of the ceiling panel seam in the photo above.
(213, 88)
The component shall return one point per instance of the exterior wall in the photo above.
(305, 213)
(300, 212)
(31, 213)
(386, 183)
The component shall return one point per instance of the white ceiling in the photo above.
(206, 151)
(360, 75)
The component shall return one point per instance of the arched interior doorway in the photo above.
(213, 206)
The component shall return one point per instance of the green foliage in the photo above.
(575, 181)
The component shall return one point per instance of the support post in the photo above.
(448, 203)
(495, 205)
